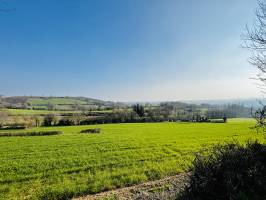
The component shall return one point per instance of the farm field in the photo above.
(74, 164)
(58, 101)
(17, 112)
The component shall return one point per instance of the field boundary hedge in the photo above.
(34, 133)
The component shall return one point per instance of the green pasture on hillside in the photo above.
(55, 101)
(74, 164)
(19, 112)
(15, 112)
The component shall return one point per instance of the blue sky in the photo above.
(126, 50)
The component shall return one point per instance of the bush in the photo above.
(231, 172)
(35, 133)
(91, 130)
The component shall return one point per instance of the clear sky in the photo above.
(126, 50)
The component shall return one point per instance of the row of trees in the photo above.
(168, 111)
(137, 113)
(19, 121)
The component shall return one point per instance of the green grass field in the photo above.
(15, 112)
(73, 164)
(55, 100)
(19, 112)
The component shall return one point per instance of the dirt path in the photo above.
(163, 189)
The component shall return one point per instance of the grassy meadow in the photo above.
(73, 164)
(58, 101)
(19, 112)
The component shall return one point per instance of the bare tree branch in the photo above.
(255, 41)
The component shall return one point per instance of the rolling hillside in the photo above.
(55, 103)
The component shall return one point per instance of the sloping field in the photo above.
(18, 112)
(55, 100)
(15, 112)
(74, 164)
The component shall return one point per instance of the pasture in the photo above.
(73, 164)
(22, 112)
(19, 112)
(55, 100)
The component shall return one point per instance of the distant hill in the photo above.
(55, 103)
(85, 103)
(231, 108)
(247, 102)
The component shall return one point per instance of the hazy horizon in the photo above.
(127, 50)
(197, 101)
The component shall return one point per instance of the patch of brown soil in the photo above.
(163, 189)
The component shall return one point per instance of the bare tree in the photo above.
(50, 106)
(37, 120)
(255, 41)
(260, 117)
(3, 118)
